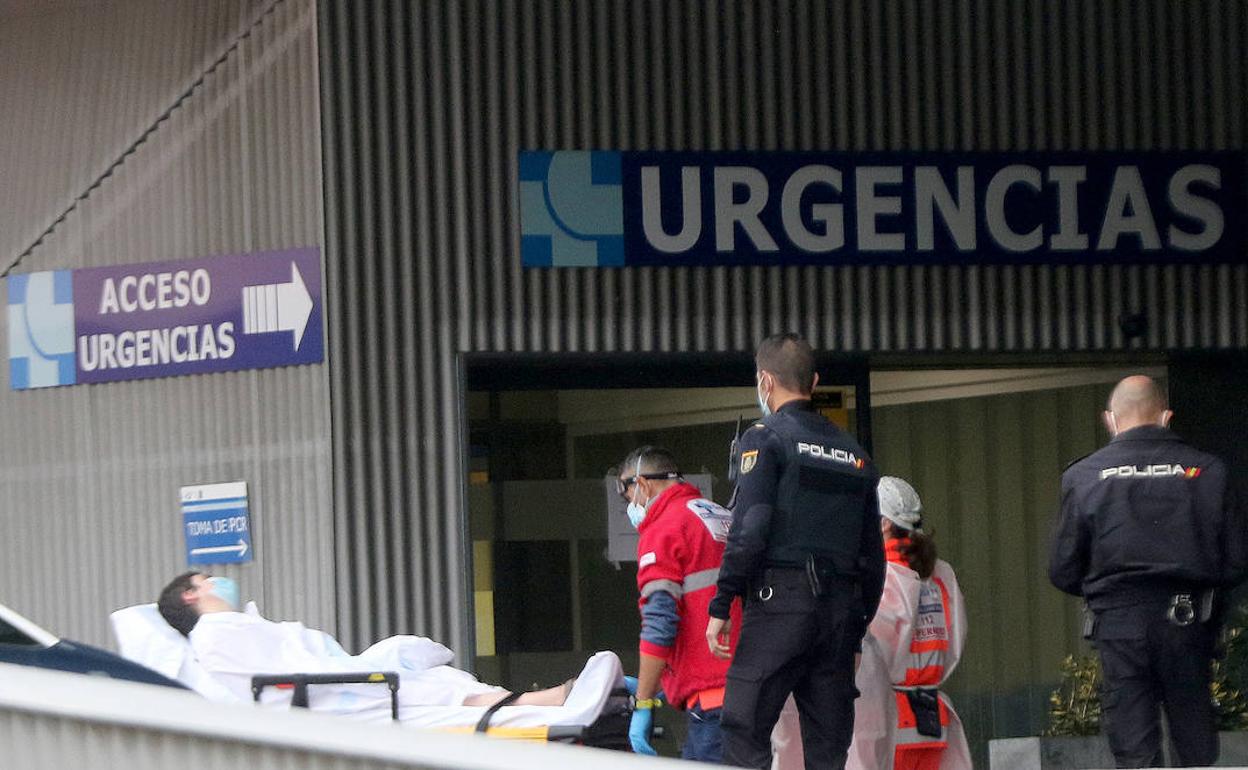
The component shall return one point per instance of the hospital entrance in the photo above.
(554, 559)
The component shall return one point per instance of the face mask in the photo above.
(224, 589)
(637, 512)
(762, 400)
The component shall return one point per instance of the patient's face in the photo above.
(201, 597)
(199, 588)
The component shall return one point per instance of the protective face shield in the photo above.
(225, 589)
(900, 504)
(762, 397)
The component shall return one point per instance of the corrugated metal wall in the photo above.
(427, 103)
(218, 103)
(82, 81)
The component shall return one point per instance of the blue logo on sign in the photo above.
(571, 209)
(41, 330)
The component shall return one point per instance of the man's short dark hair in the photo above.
(789, 359)
(176, 612)
(653, 460)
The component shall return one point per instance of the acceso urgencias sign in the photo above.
(164, 319)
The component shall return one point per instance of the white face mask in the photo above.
(637, 512)
(762, 399)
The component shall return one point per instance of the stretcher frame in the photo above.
(608, 728)
(604, 732)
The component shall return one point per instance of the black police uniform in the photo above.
(805, 552)
(1148, 528)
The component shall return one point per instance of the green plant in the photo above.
(1075, 706)
(1230, 676)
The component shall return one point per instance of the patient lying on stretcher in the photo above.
(233, 646)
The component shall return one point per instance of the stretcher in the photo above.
(596, 712)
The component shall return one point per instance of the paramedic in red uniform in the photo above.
(681, 544)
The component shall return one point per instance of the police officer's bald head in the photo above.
(789, 359)
(1136, 400)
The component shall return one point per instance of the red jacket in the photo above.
(679, 551)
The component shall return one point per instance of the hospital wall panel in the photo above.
(426, 105)
(159, 131)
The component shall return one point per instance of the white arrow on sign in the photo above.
(241, 549)
(278, 307)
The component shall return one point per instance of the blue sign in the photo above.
(613, 209)
(218, 529)
(163, 319)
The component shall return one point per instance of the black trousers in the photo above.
(1148, 662)
(794, 643)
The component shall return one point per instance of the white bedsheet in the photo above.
(227, 648)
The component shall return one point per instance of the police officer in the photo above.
(1148, 530)
(804, 551)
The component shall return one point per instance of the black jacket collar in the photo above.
(1146, 433)
(797, 405)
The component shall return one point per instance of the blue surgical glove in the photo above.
(639, 731)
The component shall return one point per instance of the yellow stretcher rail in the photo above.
(534, 734)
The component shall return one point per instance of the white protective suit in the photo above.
(232, 646)
(888, 654)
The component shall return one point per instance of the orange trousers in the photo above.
(917, 759)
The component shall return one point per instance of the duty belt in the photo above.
(1181, 607)
(819, 581)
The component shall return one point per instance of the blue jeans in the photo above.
(704, 742)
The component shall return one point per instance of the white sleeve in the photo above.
(957, 611)
(893, 624)
(875, 712)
